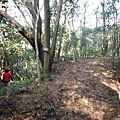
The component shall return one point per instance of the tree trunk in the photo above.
(47, 37)
(60, 39)
(36, 46)
(105, 42)
(60, 43)
(118, 45)
(52, 52)
(83, 30)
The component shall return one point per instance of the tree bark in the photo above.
(47, 36)
(105, 42)
(52, 52)
(60, 39)
(36, 47)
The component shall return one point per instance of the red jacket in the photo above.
(6, 77)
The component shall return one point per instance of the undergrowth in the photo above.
(16, 87)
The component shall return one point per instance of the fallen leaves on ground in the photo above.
(81, 90)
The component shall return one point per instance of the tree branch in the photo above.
(24, 33)
(19, 28)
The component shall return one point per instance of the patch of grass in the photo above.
(21, 85)
(3, 92)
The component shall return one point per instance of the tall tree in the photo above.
(47, 37)
(32, 7)
(52, 52)
(83, 43)
(36, 41)
(105, 42)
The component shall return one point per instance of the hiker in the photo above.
(7, 77)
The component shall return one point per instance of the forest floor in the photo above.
(82, 90)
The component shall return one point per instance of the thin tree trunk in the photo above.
(83, 30)
(36, 46)
(60, 44)
(52, 52)
(60, 39)
(118, 45)
(105, 42)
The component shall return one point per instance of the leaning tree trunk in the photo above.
(39, 29)
(52, 52)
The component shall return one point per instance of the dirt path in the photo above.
(82, 90)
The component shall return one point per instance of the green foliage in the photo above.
(18, 52)
(21, 85)
(50, 76)
(74, 39)
(51, 108)
(16, 87)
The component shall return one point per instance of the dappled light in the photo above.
(88, 95)
(63, 59)
(83, 89)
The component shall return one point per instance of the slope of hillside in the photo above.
(82, 90)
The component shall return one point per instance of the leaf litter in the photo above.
(81, 90)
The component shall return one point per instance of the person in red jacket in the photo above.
(7, 77)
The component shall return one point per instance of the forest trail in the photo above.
(82, 90)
